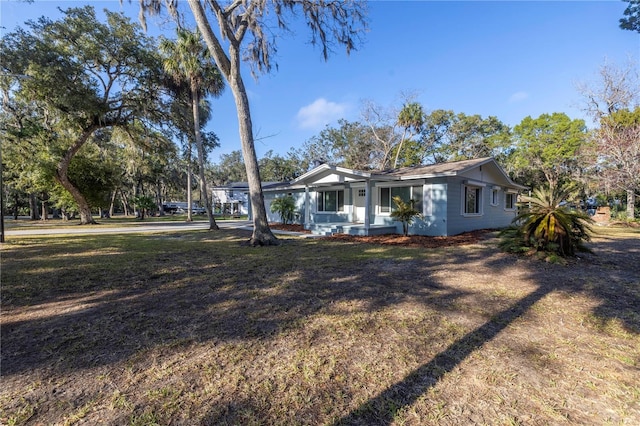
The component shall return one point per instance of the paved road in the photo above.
(138, 227)
(131, 227)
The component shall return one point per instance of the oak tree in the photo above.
(84, 75)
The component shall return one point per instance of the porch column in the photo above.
(307, 213)
(367, 206)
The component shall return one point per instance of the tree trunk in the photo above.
(44, 215)
(262, 234)
(203, 183)
(230, 68)
(112, 203)
(159, 199)
(125, 202)
(15, 206)
(631, 203)
(62, 178)
(189, 197)
(33, 207)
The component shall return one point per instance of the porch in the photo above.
(350, 229)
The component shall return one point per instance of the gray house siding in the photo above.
(434, 218)
(298, 196)
(434, 222)
(491, 217)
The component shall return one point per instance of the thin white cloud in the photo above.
(518, 97)
(320, 113)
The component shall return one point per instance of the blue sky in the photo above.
(509, 59)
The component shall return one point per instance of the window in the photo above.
(472, 200)
(331, 201)
(362, 192)
(495, 200)
(510, 201)
(406, 193)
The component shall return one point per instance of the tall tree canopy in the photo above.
(244, 31)
(548, 146)
(350, 144)
(613, 101)
(83, 75)
(447, 136)
(631, 20)
(617, 144)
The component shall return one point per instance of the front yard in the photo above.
(195, 328)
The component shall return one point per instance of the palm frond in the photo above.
(547, 223)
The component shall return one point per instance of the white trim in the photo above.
(379, 211)
(344, 205)
(471, 182)
(496, 190)
(403, 183)
(463, 204)
(515, 201)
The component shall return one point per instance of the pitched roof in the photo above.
(454, 168)
(438, 169)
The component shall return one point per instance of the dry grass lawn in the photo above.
(196, 328)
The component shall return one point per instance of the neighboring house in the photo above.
(452, 198)
(231, 199)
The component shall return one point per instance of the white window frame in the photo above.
(514, 196)
(463, 201)
(495, 196)
(336, 190)
(406, 184)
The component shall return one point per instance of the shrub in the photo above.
(143, 204)
(547, 223)
(285, 207)
(404, 213)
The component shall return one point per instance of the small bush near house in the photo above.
(405, 213)
(546, 223)
(285, 207)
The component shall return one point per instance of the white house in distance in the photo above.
(231, 199)
(452, 198)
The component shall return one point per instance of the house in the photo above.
(231, 199)
(452, 198)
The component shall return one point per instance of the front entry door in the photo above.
(358, 204)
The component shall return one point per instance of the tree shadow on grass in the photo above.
(178, 298)
(615, 285)
(82, 317)
(382, 409)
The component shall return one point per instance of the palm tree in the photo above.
(285, 207)
(405, 213)
(548, 223)
(190, 65)
(411, 119)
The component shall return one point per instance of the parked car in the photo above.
(181, 208)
